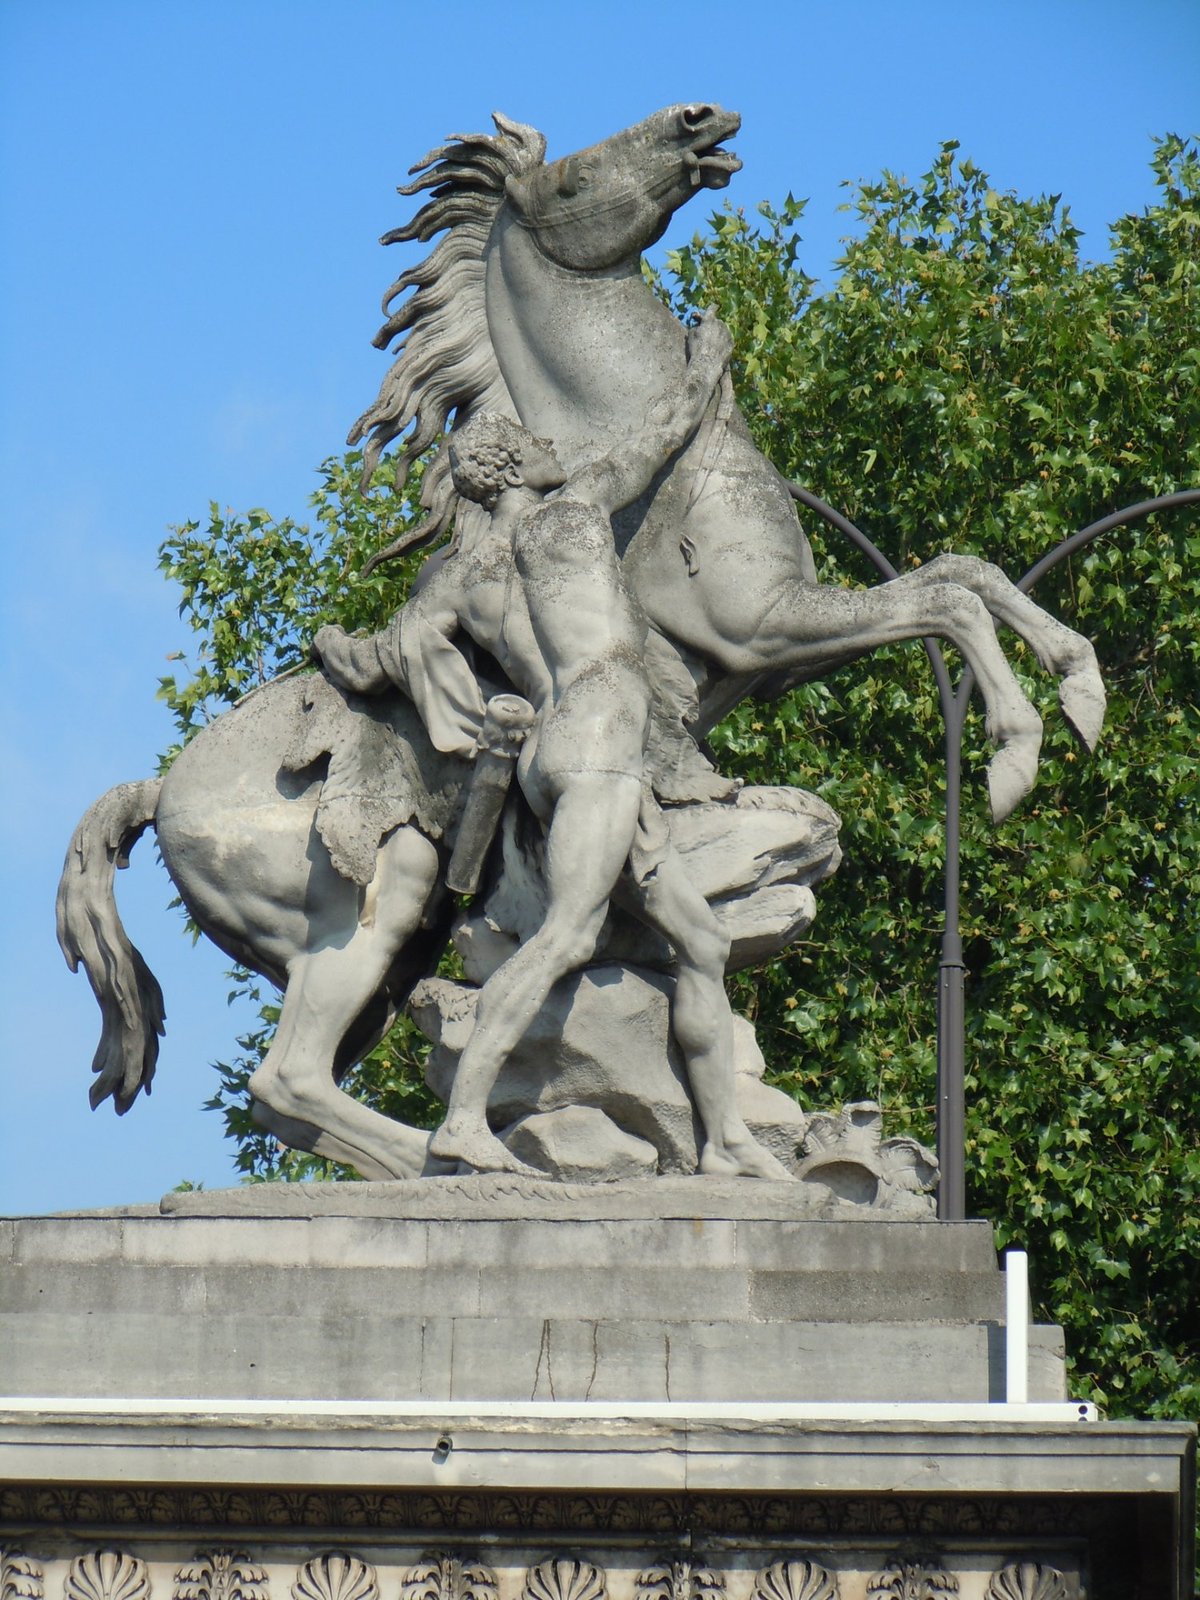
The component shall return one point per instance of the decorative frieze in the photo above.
(439, 1576)
(679, 1580)
(1018, 1522)
(221, 1575)
(565, 1578)
(21, 1577)
(1027, 1580)
(271, 1569)
(107, 1575)
(795, 1580)
(335, 1577)
(910, 1577)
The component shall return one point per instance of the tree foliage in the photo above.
(966, 382)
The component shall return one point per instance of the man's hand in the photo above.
(354, 663)
(710, 340)
(328, 638)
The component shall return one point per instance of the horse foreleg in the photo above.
(813, 627)
(328, 987)
(1059, 649)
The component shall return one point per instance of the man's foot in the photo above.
(477, 1147)
(742, 1157)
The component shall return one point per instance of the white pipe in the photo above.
(1016, 1329)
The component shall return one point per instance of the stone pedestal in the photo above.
(485, 1388)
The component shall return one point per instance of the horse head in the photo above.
(604, 205)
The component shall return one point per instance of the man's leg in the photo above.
(594, 820)
(700, 1016)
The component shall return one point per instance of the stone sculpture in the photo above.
(624, 566)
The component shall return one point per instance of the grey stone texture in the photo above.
(552, 1299)
(603, 1040)
(449, 1502)
(580, 1143)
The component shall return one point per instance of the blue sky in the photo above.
(191, 197)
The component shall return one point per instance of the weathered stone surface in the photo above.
(428, 1294)
(580, 1144)
(603, 1040)
(463, 1503)
(754, 858)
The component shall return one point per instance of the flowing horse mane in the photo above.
(445, 365)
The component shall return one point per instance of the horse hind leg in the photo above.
(1011, 721)
(328, 989)
(316, 1141)
(1060, 649)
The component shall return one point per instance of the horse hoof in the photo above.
(1083, 700)
(1011, 773)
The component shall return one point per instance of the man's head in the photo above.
(492, 453)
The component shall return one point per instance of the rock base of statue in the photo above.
(498, 1389)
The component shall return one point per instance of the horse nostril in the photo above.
(696, 116)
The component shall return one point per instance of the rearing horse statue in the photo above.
(534, 304)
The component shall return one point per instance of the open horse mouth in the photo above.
(711, 166)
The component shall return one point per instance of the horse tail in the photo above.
(90, 932)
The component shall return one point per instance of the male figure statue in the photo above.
(544, 592)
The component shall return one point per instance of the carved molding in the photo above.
(439, 1576)
(334, 1576)
(565, 1578)
(1027, 1580)
(107, 1575)
(234, 1513)
(221, 1575)
(678, 1580)
(912, 1578)
(795, 1580)
(21, 1577)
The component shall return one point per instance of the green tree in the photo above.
(967, 382)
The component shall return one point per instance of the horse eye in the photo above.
(574, 176)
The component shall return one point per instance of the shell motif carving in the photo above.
(564, 1578)
(438, 1576)
(795, 1580)
(906, 1578)
(221, 1575)
(335, 1577)
(20, 1576)
(1026, 1580)
(107, 1575)
(679, 1580)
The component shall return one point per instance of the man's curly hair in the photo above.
(481, 452)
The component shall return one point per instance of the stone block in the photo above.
(580, 1144)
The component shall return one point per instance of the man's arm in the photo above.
(619, 477)
(415, 654)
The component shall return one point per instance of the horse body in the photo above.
(238, 834)
(583, 355)
(566, 330)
